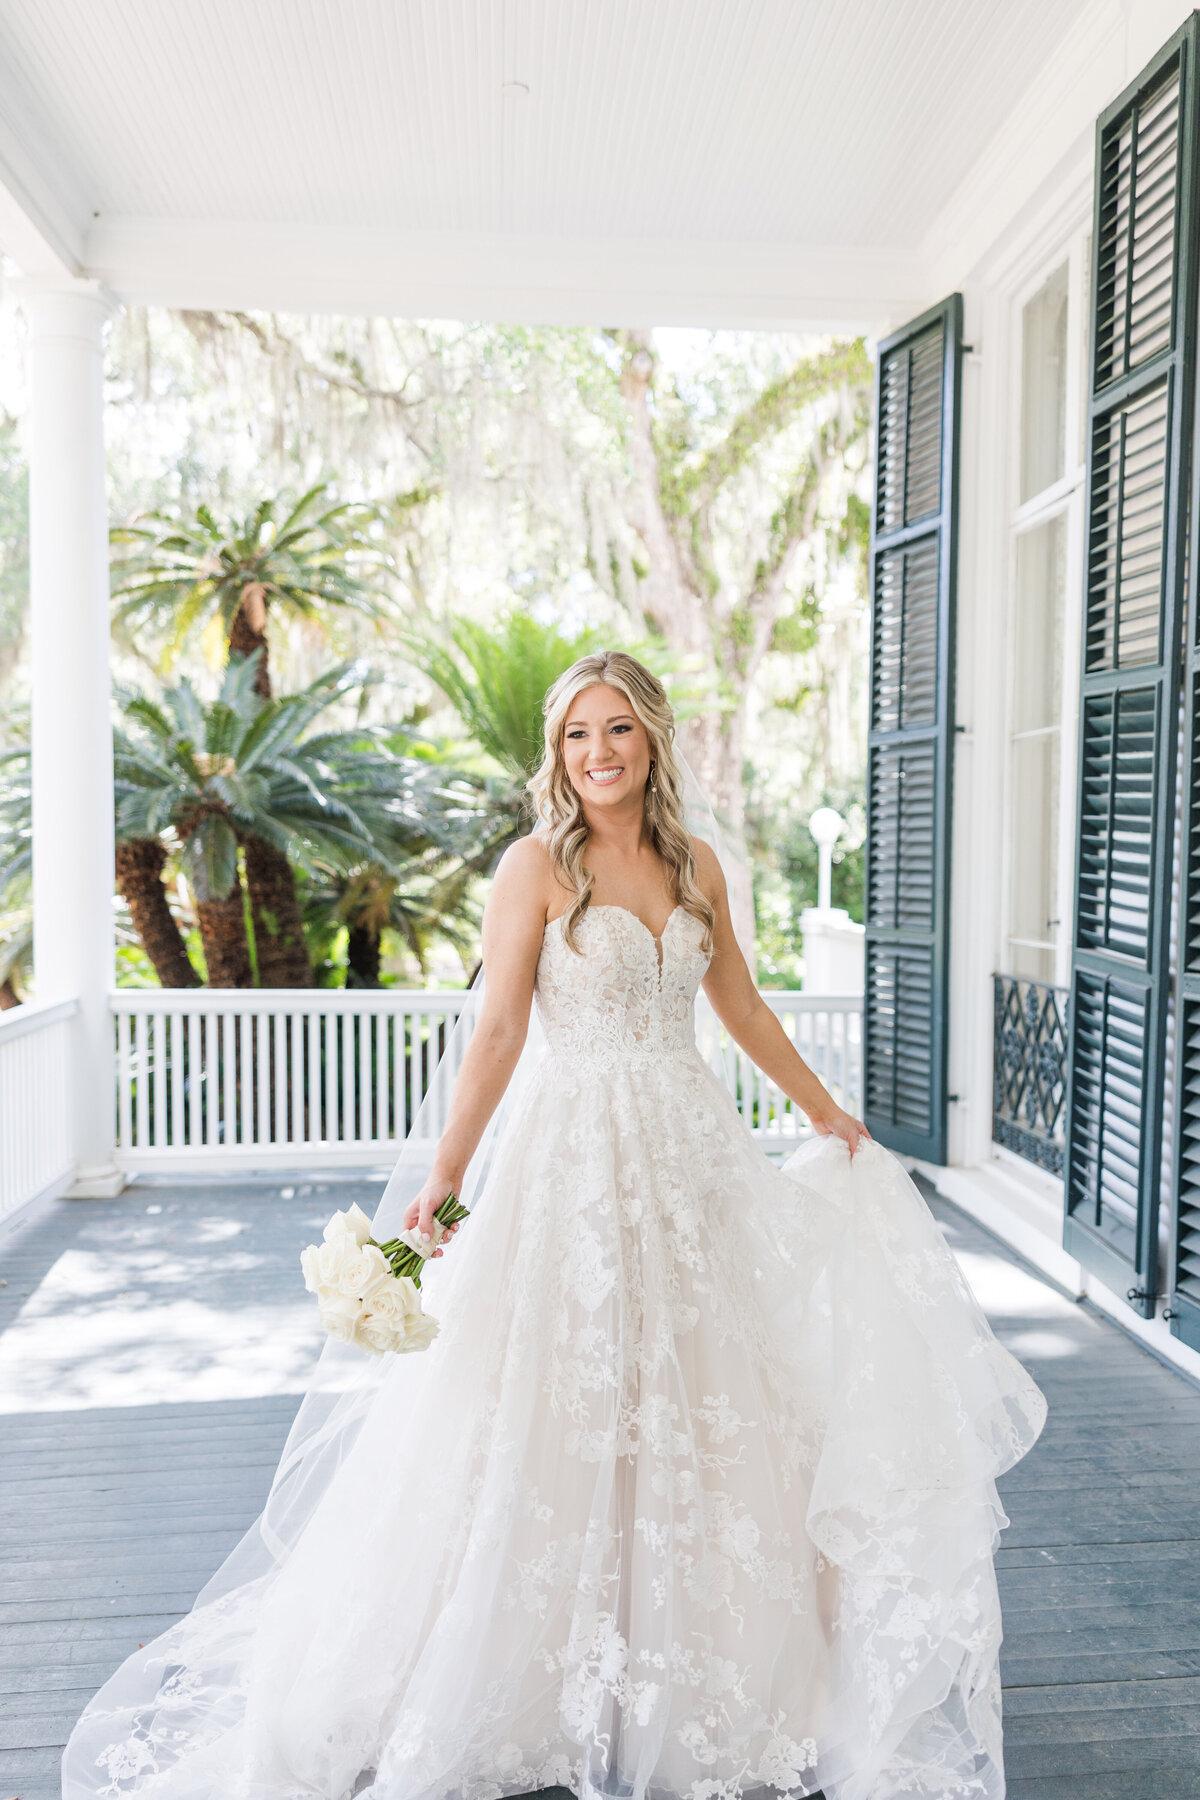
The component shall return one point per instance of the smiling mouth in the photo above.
(605, 777)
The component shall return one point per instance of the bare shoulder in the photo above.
(525, 871)
(708, 868)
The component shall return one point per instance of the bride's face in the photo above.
(605, 748)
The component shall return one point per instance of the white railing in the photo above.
(292, 1076)
(276, 1075)
(35, 1101)
(826, 1029)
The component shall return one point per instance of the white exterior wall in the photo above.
(1020, 213)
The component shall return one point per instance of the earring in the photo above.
(653, 775)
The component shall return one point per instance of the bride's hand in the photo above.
(836, 1123)
(420, 1210)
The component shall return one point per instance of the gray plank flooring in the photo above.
(152, 1351)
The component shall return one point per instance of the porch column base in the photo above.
(101, 1186)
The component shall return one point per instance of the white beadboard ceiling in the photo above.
(326, 148)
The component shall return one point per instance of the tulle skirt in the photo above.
(692, 1496)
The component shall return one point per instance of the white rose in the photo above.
(340, 1317)
(361, 1270)
(420, 1331)
(320, 1263)
(342, 1266)
(392, 1318)
(354, 1223)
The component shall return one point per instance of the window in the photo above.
(1044, 386)
(1046, 529)
(1035, 745)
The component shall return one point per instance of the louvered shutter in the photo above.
(911, 733)
(1139, 450)
(1185, 1269)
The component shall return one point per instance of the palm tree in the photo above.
(423, 819)
(239, 774)
(140, 862)
(16, 876)
(181, 570)
(496, 680)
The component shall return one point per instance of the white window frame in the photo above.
(1063, 499)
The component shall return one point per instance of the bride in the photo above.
(694, 1493)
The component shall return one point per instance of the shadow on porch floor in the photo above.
(152, 1349)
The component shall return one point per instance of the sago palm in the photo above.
(16, 876)
(238, 773)
(296, 557)
(423, 819)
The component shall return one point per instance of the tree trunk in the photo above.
(248, 633)
(362, 957)
(712, 743)
(8, 994)
(223, 934)
(139, 863)
(283, 959)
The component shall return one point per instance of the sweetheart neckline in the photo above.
(629, 914)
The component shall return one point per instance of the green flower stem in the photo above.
(406, 1261)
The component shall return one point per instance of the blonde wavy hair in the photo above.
(560, 817)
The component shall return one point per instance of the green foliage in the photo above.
(174, 571)
(239, 764)
(430, 833)
(793, 854)
(855, 532)
(798, 864)
(496, 680)
(14, 546)
(741, 626)
(690, 481)
(785, 882)
(796, 632)
(502, 465)
(16, 869)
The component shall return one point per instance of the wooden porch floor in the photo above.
(151, 1351)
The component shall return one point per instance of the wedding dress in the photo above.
(692, 1496)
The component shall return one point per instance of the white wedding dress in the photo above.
(693, 1495)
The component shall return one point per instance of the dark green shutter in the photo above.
(910, 740)
(1185, 1269)
(1141, 392)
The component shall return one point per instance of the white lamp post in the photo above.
(833, 943)
(826, 827)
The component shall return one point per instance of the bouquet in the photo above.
(367, 1293)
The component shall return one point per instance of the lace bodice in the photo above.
(628, 995)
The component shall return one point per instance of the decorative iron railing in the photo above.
(1029, 1069)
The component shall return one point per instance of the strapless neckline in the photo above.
(629, 914)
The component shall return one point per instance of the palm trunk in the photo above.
(139, 877)
(362, 957)
(8, 995)
(283, 959)
(248, 634)
(223, 934)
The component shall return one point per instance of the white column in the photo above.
(71, 723)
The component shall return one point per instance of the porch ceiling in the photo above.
(739, 160)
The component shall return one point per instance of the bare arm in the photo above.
(514, 921)
(751, 1023)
